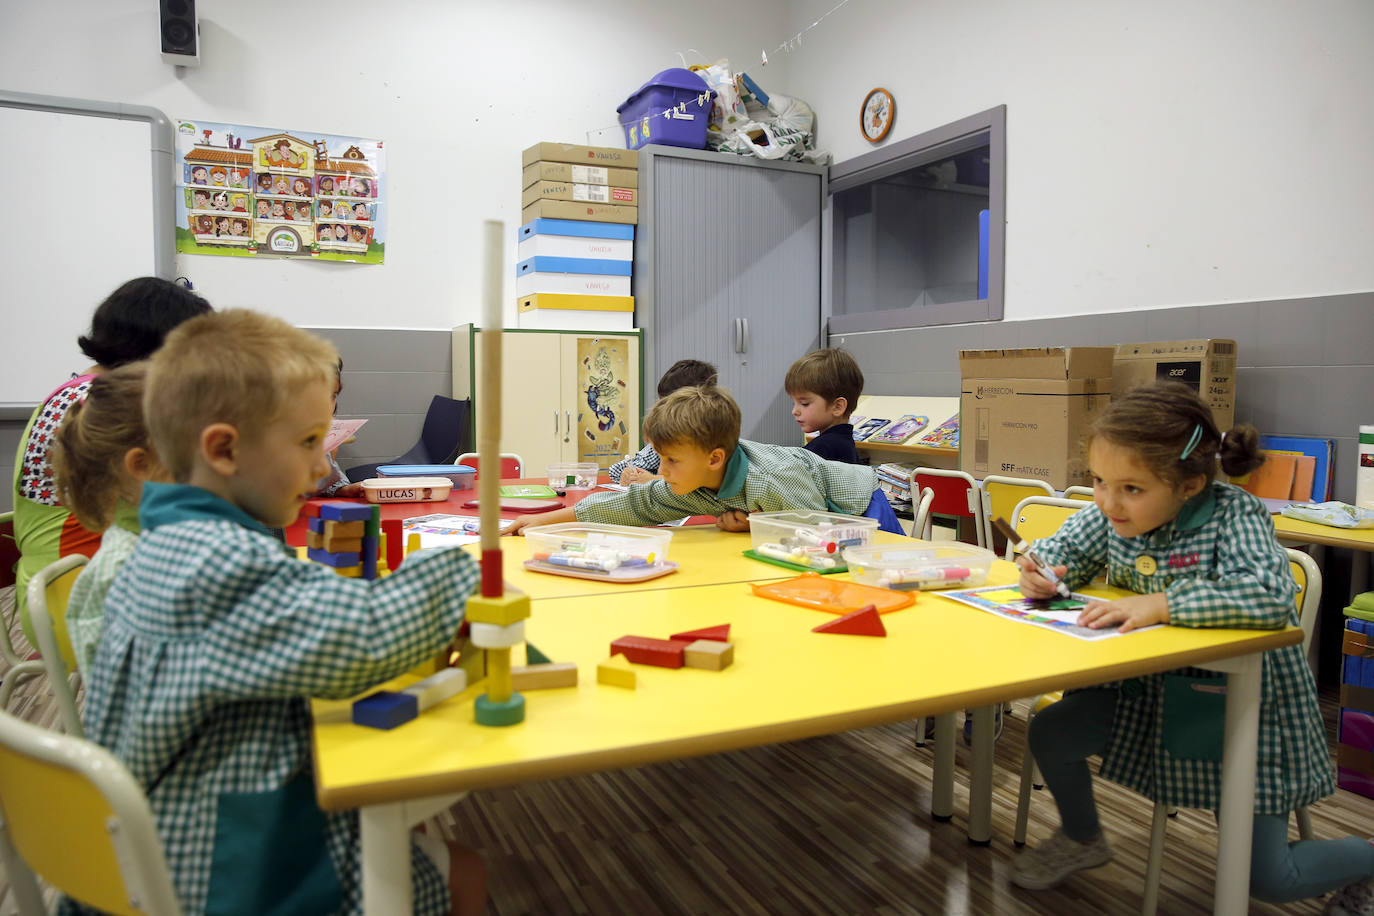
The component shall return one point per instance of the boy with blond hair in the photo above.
(709, 470)
(215, 637)
(824, 386)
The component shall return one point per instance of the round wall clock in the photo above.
(876, 114)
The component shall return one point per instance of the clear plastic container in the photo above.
(598, 548)
(406, 489)
(459, 474)
(814, 540)
(924, 565)
(580, 476)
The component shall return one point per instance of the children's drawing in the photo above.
(283, 182)
(1058, 614)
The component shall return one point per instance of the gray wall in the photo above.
(389, 377)
(1304, 365)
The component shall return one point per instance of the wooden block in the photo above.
(863, 622)
(395, 542)
(497, 636)
(718, 633)
(350, 572)
(438, 687)
(314, 539)
(534, 657)
(346, 512)
(544, 677)
(333, 559)
(341, 545)
(311, 509)
(1303, 478)
(335, 529)
(643, 650)
(616, 672)
(385, 709)
(709, 654)
(510, 607)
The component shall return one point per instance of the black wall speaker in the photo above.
(180, 32)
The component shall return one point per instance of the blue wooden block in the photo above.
(385, 709)
(317, 525)
(370, 545)
(345, 512)
(1353, 672)
(320, 555)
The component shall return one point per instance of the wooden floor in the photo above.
(839, 824)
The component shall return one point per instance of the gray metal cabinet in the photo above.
(728, 269)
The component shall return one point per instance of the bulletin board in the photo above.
(79, 221)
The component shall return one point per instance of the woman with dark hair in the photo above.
(128, 326)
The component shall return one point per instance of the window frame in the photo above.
(914, 152)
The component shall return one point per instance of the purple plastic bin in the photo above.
(642, 114)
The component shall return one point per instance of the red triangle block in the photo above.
(716, 634)
(863, 622)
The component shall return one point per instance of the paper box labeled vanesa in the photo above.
(1206, 366)
(1024, 413)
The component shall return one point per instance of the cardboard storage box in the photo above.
(605, 156)
(564, 190)
(561, 311)
(1024, 413)
(1206, 366)
(576, 209)
(578, 174)
(575, 276)
(565, 238)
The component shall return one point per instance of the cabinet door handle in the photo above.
(739, 335)
(555, 421)
(567, 425)
(745, 323)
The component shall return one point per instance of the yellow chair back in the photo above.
(1001, 495)
(1040, 516)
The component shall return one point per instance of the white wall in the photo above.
(455, 88)
(1158, 154)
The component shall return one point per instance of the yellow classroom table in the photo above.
(786, 683)
(1296, 531)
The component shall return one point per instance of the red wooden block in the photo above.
(716, 634)
(311, 509)
(644, 650)
(395, 543)
(863, 622)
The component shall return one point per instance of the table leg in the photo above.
(386, 858)
(942, 789)
(980, 778)
(1236, 819)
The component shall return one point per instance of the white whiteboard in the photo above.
(78, 222)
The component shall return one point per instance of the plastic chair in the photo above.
(445, 431)
(20, 669)
(920, 520)
(1000, 497)
(48, 592)
(1078, 493)
(956, 496)
(1309, 579)
(512, 465)
(73, 815)
(1040, 516)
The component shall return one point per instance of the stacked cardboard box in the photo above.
(1024, 413)
(1206, 366)
(576, 247)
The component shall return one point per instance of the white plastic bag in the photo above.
(1336, 514)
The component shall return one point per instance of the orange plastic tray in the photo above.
(824, 593)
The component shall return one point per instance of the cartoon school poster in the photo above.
(263, 192)
(603, 378)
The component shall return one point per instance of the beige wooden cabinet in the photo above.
(565, 395)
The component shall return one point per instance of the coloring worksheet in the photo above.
(1058, 614)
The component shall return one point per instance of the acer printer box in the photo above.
(1206, 366)
(1024, 413)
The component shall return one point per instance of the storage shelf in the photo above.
(907, 449)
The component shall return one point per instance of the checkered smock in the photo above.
(86, 604)
(758, 478)
(1220, 565)
(645, 458)
(214, 637)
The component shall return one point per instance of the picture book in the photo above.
(1058, 614)
(868, 427)
(901, 430)
(946, 435)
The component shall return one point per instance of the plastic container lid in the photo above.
(672, 78)
(423, 470)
